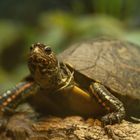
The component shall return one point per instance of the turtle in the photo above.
(99, 78)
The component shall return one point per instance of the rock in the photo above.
(22, 126)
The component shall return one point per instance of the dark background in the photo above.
(59, 23)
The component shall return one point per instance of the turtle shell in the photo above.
(113, 63)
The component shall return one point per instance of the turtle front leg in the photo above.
(10, 99)
(113, 105)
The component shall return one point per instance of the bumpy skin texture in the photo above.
(100, 69)
(114, 63)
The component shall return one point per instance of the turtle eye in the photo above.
(48, 50)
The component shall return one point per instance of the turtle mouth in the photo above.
(37, 59)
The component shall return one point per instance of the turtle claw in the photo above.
(111, 118)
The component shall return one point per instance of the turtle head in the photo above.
(43, 65)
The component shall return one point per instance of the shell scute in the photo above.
(115, 63)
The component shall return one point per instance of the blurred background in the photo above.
(59, 23)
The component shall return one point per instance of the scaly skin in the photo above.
(11, 98)
(49, 75)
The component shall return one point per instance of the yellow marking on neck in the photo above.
(67, 82)
(81, 92)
